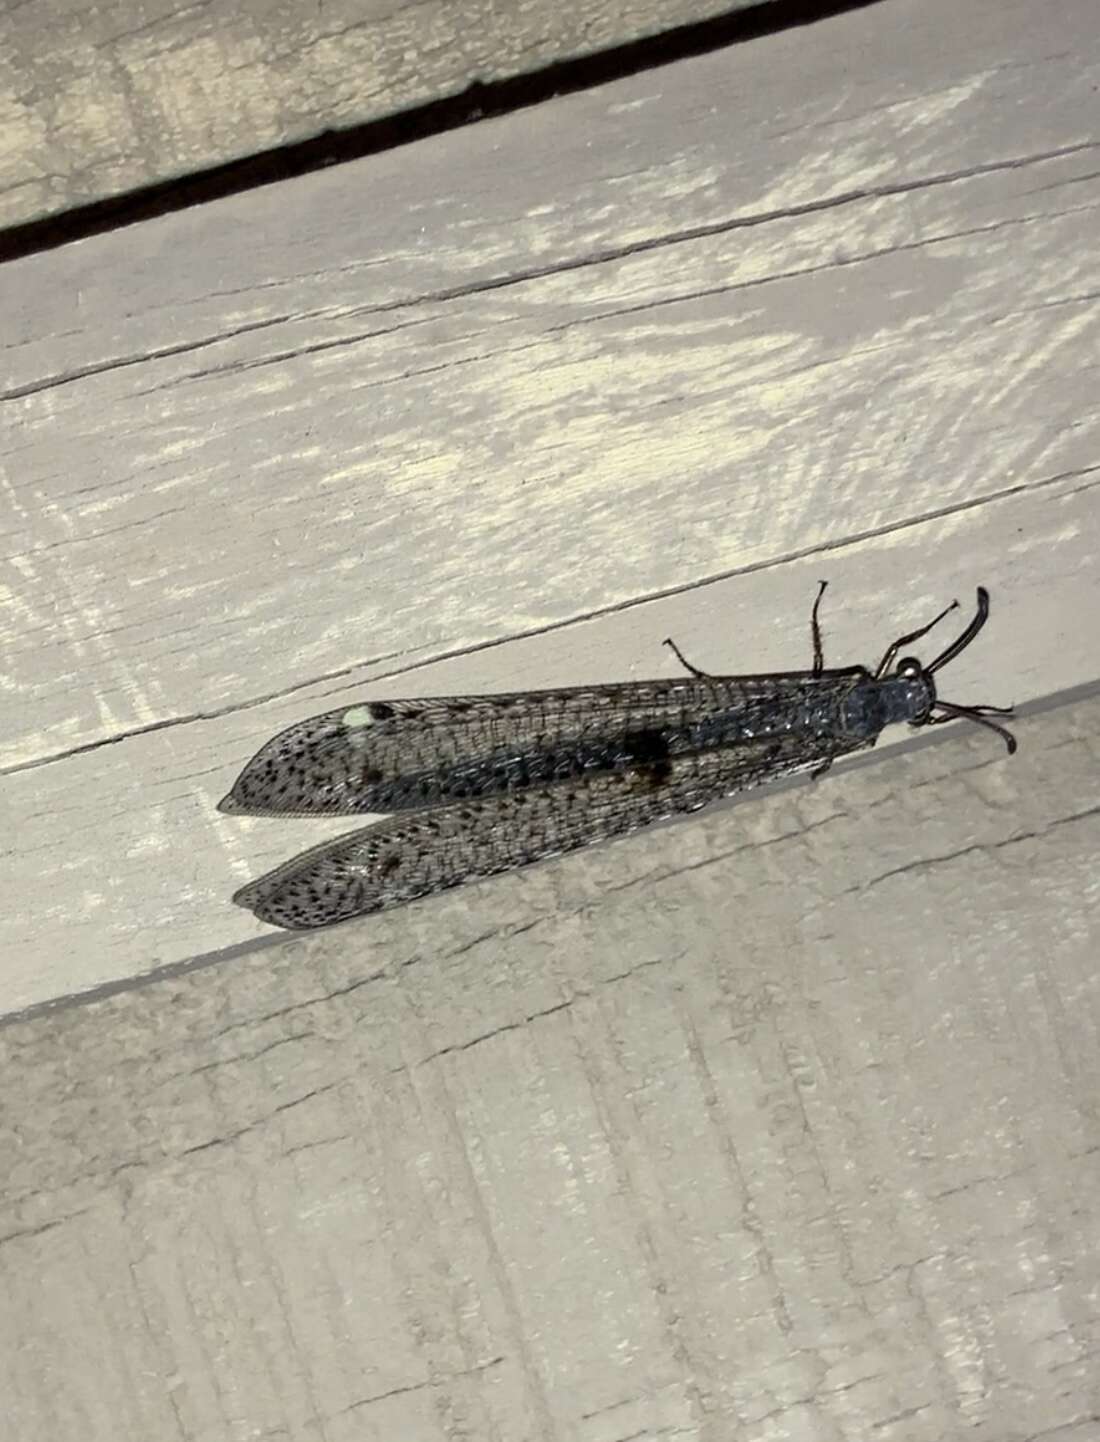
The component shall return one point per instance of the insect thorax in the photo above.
(904, 696)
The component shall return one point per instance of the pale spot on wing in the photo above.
(358, 717)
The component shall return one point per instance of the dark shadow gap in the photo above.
(477, 102)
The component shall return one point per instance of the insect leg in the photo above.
(815, 630)
(705, 675)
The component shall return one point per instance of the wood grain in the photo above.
(529, 376)
(781, 1123)
(101, 100)
(776, 1123)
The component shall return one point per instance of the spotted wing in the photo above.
(410, 754)
(419, 853)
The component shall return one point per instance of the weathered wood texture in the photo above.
(757, 307)
(777, 1124)
(99, 100)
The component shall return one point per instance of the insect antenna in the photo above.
(947, 710)
(981, 616)
(903, 641)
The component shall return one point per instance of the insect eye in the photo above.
(910, 668)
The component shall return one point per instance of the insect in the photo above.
(483, 784)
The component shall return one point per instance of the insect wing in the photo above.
(416, 854)
(410, 754)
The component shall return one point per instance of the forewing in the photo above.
(420, 853)
(409, 754)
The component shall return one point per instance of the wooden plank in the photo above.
(124, 841)
(785, 1129)
(258, 455)
(100, 101)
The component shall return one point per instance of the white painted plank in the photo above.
(124, 865)
(785, 1130)
(229, 477)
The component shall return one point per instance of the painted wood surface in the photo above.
(778, 1124)
(97, 101)
(644, 361)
